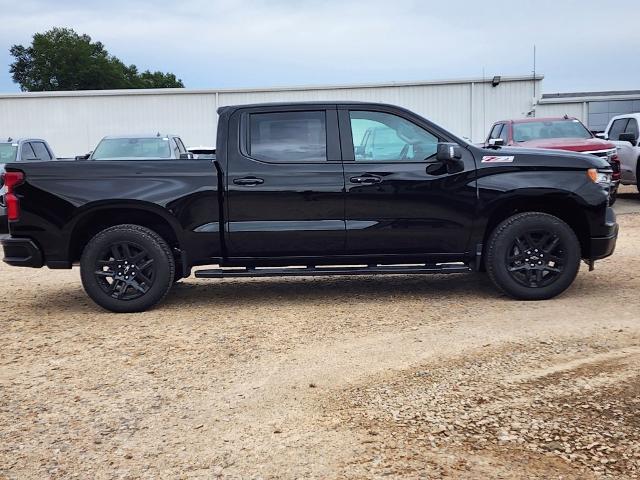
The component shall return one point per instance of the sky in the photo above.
(581, 44)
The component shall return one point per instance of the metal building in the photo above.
(594, 109)
(73, 122)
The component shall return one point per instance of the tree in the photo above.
(61, 59)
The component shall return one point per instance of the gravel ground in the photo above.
(363, 377)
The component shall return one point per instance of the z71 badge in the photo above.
(497, 159)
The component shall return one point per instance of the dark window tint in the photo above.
(41, 151)
(27, 152)
(495, 131)
(288, 136)
(617, 128)
(504, 134)
(175, 147)
(181, 146)
(632, 127)
(384, 137)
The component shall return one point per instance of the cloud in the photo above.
(226, 43)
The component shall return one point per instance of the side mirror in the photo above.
(601, 136)
(496, 142)
(186, 156)
(448, 152)
(628, 137)
(83, 157)
(358, 150)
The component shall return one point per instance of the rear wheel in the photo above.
(533, 256)
(127, 268)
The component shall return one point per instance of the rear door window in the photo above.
(288, 136)
(41, 151)
(27, 152)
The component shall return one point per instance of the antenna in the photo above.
(484, 110)
(533, 100)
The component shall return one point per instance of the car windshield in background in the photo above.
(523, 132)
(8, 152)
(134, 148)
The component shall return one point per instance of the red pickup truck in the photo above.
(557, 133)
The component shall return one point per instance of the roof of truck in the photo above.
(21, 140)
(147, 135)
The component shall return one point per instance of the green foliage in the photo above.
(61, 59)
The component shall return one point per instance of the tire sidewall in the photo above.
(503, 241)
(158, 252)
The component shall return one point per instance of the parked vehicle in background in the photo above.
(558, 133)
(139, 147)
(290, 194)
(203, 152)
(16, 151)
(624, 133)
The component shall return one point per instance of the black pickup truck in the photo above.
(294, 190)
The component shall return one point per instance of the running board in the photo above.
(323, 271)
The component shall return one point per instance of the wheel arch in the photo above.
(95, 218)
(565, 208)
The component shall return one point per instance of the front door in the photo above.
(285, 184)
(398, 199)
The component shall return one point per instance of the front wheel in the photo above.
(533, 256)
(127, 268)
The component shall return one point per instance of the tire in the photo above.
(127, 268)
(528, 243)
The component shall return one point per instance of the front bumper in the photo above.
(21, 252)
(604, 246)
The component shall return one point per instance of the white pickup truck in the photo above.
(623, 132)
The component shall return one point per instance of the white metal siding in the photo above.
(576, 110)
(73, 122)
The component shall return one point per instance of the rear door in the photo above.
(398, 199)
(285, 183)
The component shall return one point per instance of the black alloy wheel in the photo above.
(533, 256)
(125, 270)
(536, 258)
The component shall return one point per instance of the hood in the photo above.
(538, 157)
(571, 144)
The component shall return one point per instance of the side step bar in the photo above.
(323, 271)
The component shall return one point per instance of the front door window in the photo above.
(382, 137)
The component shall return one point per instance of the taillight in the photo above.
(12, 180)
(615, 165)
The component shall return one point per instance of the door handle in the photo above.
(366, 179)
(248, 181)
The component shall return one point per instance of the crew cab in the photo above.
(290, 193)
(558, 133)
(131, 147)
(20, 150)
(623, 131)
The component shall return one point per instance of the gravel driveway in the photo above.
(362, 377)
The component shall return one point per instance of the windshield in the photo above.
(8, 152)
(123, 148)
(523, 132)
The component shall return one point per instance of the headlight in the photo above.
(596, 176)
